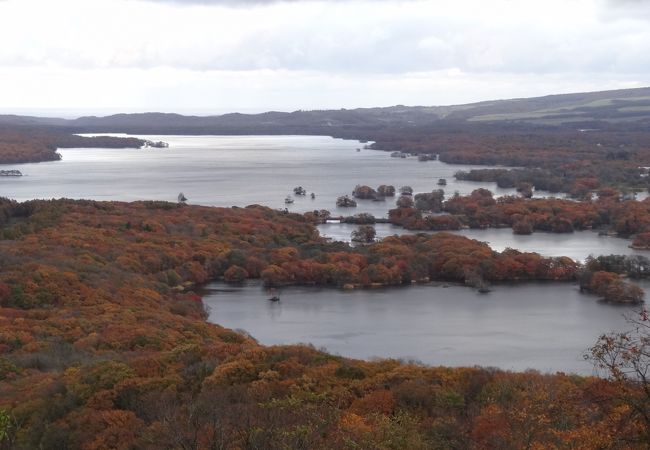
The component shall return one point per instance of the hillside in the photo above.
(601, 136)
(103, 344)
(608, 106)
(36, 143)
(615, 106)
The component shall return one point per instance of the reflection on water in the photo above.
(576, 245)
(545, 326)
(233, 170)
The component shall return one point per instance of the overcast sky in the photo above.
(207, 56)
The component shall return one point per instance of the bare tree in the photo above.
(626, 358)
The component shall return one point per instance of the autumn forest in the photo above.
(104, 337)
(104, 342)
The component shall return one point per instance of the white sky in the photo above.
(207, 56)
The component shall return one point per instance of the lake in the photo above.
(577, 245)
(544, 326)
(234, 170)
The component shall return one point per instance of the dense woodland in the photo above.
(608, 212)
(104, 344)
(579, 181)
(569, 138)
(555, 158)
(37, 145)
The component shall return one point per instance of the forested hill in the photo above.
(103, 344)
(627, 106)
(36, 144)
(607, 131)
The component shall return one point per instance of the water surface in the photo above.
(578, 245)
(544, 326)
(233, 170)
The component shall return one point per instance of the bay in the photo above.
(577, 245)
(542, 326)
(234, 170)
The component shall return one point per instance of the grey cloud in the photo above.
(233, 3)
(249, 3)
(351, 41)
(626, 2)
(625, 9)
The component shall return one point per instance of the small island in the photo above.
(346, 202)
(155, 144)
(10, 173)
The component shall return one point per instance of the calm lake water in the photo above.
(576, 245)
(544, 326)
(233, 170)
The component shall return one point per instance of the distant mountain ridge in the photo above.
(615, 106)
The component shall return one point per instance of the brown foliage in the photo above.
(95, 351)
(36, 145)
